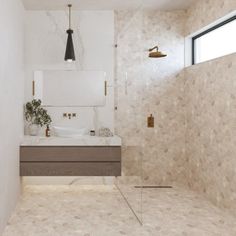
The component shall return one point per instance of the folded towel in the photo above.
(105, 132)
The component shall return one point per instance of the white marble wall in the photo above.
(45, 43)
(11, 103)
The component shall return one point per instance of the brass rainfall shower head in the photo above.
(156, 53)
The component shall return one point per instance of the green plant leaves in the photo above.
(35, 114)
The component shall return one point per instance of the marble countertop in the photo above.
(85, 140)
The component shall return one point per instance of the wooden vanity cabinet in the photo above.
(70, 160)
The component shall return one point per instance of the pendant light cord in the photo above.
(69, 5)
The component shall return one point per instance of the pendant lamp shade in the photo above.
(70, 53)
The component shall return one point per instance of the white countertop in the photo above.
(85, 140)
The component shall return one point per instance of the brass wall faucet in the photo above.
(69, 115)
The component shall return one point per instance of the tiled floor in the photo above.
(101, 211)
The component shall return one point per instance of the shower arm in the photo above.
(151, 49)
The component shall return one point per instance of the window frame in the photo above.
(206, 32)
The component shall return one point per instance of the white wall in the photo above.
(11, 103)
(94, 47)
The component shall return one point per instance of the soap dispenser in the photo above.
(47, 131)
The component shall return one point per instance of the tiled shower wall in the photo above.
(210, 90)
(211, 129)
(205, 12)
(147, 86)
(193, 142)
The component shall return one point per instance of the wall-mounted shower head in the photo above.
(157, 53)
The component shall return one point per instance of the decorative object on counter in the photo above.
(47, 131)
(150, 121)
(92, 132)
(36, 116)
(105, 132)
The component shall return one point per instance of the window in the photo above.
(217, 41)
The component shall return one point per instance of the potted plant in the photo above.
(36, 116)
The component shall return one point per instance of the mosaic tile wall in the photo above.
(147, 86)
(205, 12)
(193, 142)
(211, 129)
(210, 115)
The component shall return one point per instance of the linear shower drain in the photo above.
(154, 186)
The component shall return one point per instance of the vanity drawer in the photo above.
(70, 154)
(70, 161)
(70, 169)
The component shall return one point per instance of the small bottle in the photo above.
(47, 132)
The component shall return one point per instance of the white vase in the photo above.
(34, 129)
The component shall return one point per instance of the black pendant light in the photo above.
(70, 53)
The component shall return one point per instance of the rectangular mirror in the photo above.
(70, 88)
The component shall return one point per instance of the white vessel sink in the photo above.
(68, 132)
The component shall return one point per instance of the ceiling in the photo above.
(166, 5)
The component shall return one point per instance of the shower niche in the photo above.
(61, 88)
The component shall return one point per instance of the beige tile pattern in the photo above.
(205, 12)
(101, 211)
(147, 86)
(210, 114)
(193, 139)
(211, 129)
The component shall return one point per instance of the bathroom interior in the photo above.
(118, 117)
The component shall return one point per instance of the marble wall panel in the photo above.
(45, 43)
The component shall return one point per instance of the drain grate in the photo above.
(157, 186)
